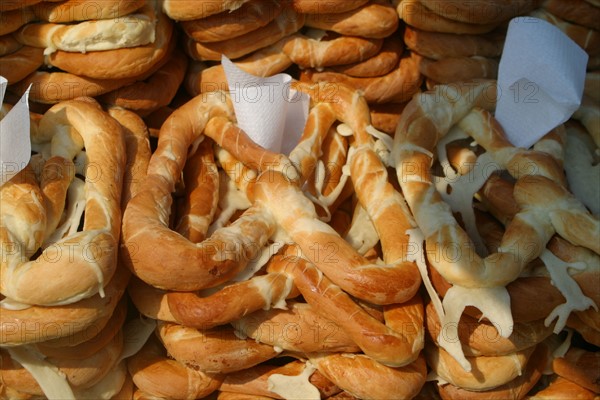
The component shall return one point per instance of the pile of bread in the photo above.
(150, 249)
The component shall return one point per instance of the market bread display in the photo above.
(398, 246)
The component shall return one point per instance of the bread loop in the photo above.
(95, 35)
(307, 52)
(439, 45)
(18, 65)
(286, 23)
(415, 14)
(326, 7)
(148, 95)
(229, 249)
(94, 249)
(184, 10)
(119, 63)
(83, 10)
(380, 64)
(157, 375)
(255, 381)
(395, 341)
(363, 377)
(480, 12)
(450, 70)
(374, 19)
(228, 25)
(212, 351)
(277, 194)
(399, 85)
(517, 388)
(64, 325)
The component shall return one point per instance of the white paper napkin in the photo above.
(15, 144)
(540, 80)
(267, 109)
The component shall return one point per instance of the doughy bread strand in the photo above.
(157, 375)
(482, 339)
(395, 343)
(212, 351)
(230, 303)
(73, 322)
(82, 10)
(34, 282)
(371, 20)
(201, 180)
(228, 25)
(365, 378)
(516, 389)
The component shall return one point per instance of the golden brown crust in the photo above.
(491, 11)
(83, 10)
(311, 53)
(8, 45)
(10, 5)
(579, 12)
(438, 45)
(385, 117)
(380, 64)
(17, 65)
(395, 87)
(185, 10)
(119, 63)
(450, 70)
(563, 389)
(371, 20)
(12, 20)
(319, 7)
(230, 24)
(415, 14)
(283, 25)
(580, 366)
(588, 39)
(157, 91)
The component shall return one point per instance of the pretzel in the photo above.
(362, 377)
(54, 87)
(298, 218)
(286, 23)
(588, 39)
(118, 63)
(321, 7)
(439, 45)
(160, 376)
(148, 95)
(580, 12)
(264, 62)
(450, 70)
(83, 10)
(518, 388)
(482, 339)
(183, 10)
(307, 52)
(579, 366)
(255, 380)
(12, 20)
(480, 13)
(372, 20)
(8, 45)
(247, 234)
(415, 14)
(96, 35)
(397, 86)
(16, 66)
(80, 374)
(21, 279)
(380, 64)
(227, 25)
(561, 388)
(212, 351)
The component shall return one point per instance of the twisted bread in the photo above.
(82, 10)
(376, 20)
(67, 128)
(228, 25)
